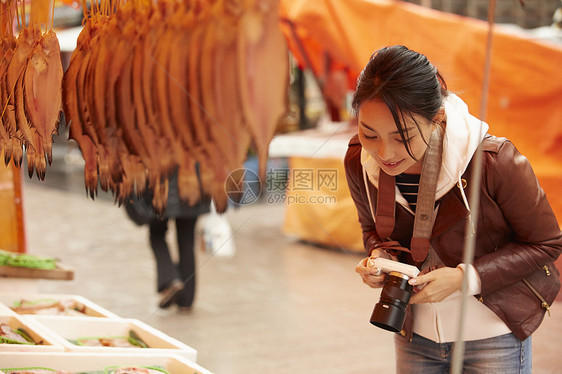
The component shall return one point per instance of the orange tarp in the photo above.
(525, 93)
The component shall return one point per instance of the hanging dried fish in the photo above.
(8, 142)
(14, 84)
(177, 35)
(30, 84)
(263, 68)
(43, 78)
(170, 86)
(72, 111)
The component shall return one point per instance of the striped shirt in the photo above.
(409, 184)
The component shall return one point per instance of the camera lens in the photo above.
(390, 311)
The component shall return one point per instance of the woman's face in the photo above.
(379, 136)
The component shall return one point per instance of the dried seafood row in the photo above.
(30, 85)
(186, 86)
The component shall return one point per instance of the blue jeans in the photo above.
(504, 354)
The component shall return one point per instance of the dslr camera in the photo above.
(390, 311)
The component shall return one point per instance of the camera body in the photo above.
(390, 311)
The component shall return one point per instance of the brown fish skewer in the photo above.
(43, 78)
(72, 111)
(263, 73)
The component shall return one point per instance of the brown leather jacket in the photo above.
(518, 238)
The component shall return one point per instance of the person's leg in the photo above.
(504, 354)
(168, 280)
(165, 269)
(421, 356)
(185, 228)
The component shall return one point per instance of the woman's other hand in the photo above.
(437, 285)
(371, 276)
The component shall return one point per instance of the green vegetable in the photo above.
(136, 340)
(25, 335)
(26, 260)
(21, 303)
(4, 340)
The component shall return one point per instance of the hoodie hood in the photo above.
(463, 135)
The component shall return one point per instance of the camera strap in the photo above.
(425, 207)
(386, 205)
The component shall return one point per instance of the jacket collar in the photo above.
(463, 135)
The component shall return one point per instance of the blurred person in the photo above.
(175, 280)
(404, 109)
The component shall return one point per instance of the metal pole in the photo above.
(476, 176)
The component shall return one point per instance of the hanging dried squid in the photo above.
(186, 86)
(30, 84)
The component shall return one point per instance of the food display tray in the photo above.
(5, 311)
(91, 309)
(60, 272)
(69, 329)
(96, 362)
(35, 331)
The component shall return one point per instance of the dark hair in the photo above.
(405, 81)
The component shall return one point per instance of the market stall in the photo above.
(318, 203)
(152, 90)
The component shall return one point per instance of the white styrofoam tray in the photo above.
(81, 362)
(91, 308)
(46, 342)
(72, 328)
(5, 311)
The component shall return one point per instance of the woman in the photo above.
(409, 122)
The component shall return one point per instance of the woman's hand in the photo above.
(370, 275)
(439, 284)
